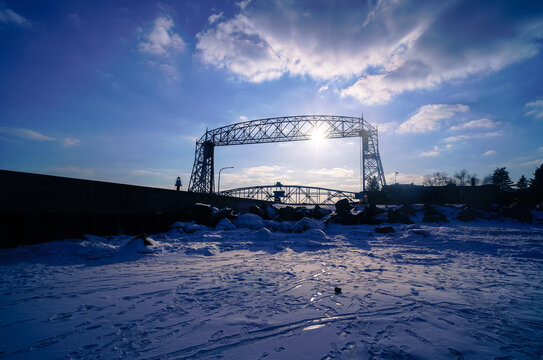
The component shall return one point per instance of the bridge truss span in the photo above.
(282, 129)
(292, 194)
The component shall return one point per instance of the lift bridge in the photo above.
(293, 194)
(283, 129)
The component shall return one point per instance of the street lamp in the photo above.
(219, 182)
(395, 173)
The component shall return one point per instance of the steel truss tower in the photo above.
(282, 129)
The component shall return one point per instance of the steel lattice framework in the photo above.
(292, 194)
(282, 129)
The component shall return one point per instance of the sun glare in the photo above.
(318, 136)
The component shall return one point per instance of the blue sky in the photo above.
(120, 90)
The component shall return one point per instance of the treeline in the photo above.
(500, 177)
(525, 190)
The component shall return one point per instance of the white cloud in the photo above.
(386, 127)
(68, 142)
(10, 17)
(323, 88)
(540, 149)
(333, 173)
(535, 162)
(536, 109)
(489, 152)
(473, 136)
(476, 124)
(429, 117)
(162, 41)
(379, 56)
(214, 17)
(243, 118)
(457, 138)
(433, 153)
(402, 178)
(243, 4)
(25, 134)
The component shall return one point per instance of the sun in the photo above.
(318, 136)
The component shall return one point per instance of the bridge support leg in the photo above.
(371, 160)
(202, 179)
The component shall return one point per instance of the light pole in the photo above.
(395, 173)
(219, 182)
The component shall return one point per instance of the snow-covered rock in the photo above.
(250, 221)
(306, 224)
(141, 244)
(225, 224)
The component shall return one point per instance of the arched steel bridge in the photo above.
(292, 194)
(281, 129)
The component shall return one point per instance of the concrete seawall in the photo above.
(37, 208)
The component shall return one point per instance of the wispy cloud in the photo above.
(333, 173)
(476, 124)
(432, 153)
(402, 178)
(489, 152)
(68, 142)
(378, 56)
(9, 16)
(535, 162)
(430, 117)
(535, 109)
(162, 42)
(473, 136)
(214, 17)
(26, 134)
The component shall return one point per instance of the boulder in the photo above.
(318, 213)
(520, 212)
(270, 211)
(201, 213)
(301, 212)
(216, 217)
(306, 224)
(385, 230)
(398, 216)
(256, 210)
(225, 224)
(287, 213)
(250, 221)
(343, 207)
(431, 215)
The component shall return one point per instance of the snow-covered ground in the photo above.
(428, 291)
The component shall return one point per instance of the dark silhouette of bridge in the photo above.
(292, 194)
(282, 129)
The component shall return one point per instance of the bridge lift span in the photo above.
(282, 129)
(293, 194)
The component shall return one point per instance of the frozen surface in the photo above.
(450, 291)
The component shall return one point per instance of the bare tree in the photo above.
(461, 176)
(437, 179)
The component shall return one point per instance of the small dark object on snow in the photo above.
(385, 230)
(337, 290)
(143, 237)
